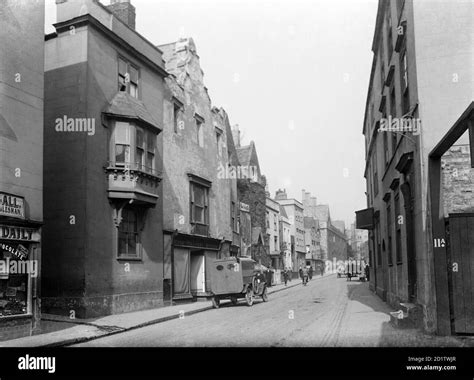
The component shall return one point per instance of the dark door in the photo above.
(461, 236)
(410, 235)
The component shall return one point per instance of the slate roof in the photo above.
(283, 212)
(126, 106)
(244, 154)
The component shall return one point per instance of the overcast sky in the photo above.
(292, 73)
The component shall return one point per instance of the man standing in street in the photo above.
(285, 276)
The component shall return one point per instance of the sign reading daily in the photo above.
(12, 206)
(19, 234)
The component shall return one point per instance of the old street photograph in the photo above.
(236, 173)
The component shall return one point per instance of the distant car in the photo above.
(237, 277)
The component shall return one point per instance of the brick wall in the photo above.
(458, 180)
(125, 12)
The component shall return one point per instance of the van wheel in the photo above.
(249, 296)
(265, 295)
(216, 302)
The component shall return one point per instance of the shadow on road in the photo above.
(360, 292)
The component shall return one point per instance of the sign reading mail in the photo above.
(12, 206)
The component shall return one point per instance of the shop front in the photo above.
(19, 269)
(192, 259)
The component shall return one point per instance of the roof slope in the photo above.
(283, 212)
(126, 106)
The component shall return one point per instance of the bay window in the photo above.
(133, 147)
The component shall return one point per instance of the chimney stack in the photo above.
(281, 195)
(236, 135)
(124, 11)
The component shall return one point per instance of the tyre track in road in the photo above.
(334, 331)
(305, 326)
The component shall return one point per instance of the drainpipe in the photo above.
(175, 233)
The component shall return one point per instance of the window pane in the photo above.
(122, 243)
(198, 214)
(128, 233)
(132, 219)
(198, 195)
(122, 86)
(150, 158)
(132, 244)
(151, 142)
(133, 74)
(139, 158)
(140, 138)
(122, 153)
(122, 67)
(121, 133)
(134, 90)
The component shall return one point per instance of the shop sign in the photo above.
(19, 233)
(12, 206)
(20, 252)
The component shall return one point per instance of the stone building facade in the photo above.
(21, 165)
(285, 240)
(312, 241)
(251, 186)
(273, 232)
(414, 97)
(104, 98)
(199, 192)
(295, 212)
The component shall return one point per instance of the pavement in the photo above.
(57, 331)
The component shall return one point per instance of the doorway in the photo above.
(461, 247)
(198, 272)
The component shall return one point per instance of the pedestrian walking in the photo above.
(310, 272)
(285, 276)
(304, 275)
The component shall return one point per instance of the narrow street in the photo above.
(328, 312)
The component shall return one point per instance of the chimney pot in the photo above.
(124, 11)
